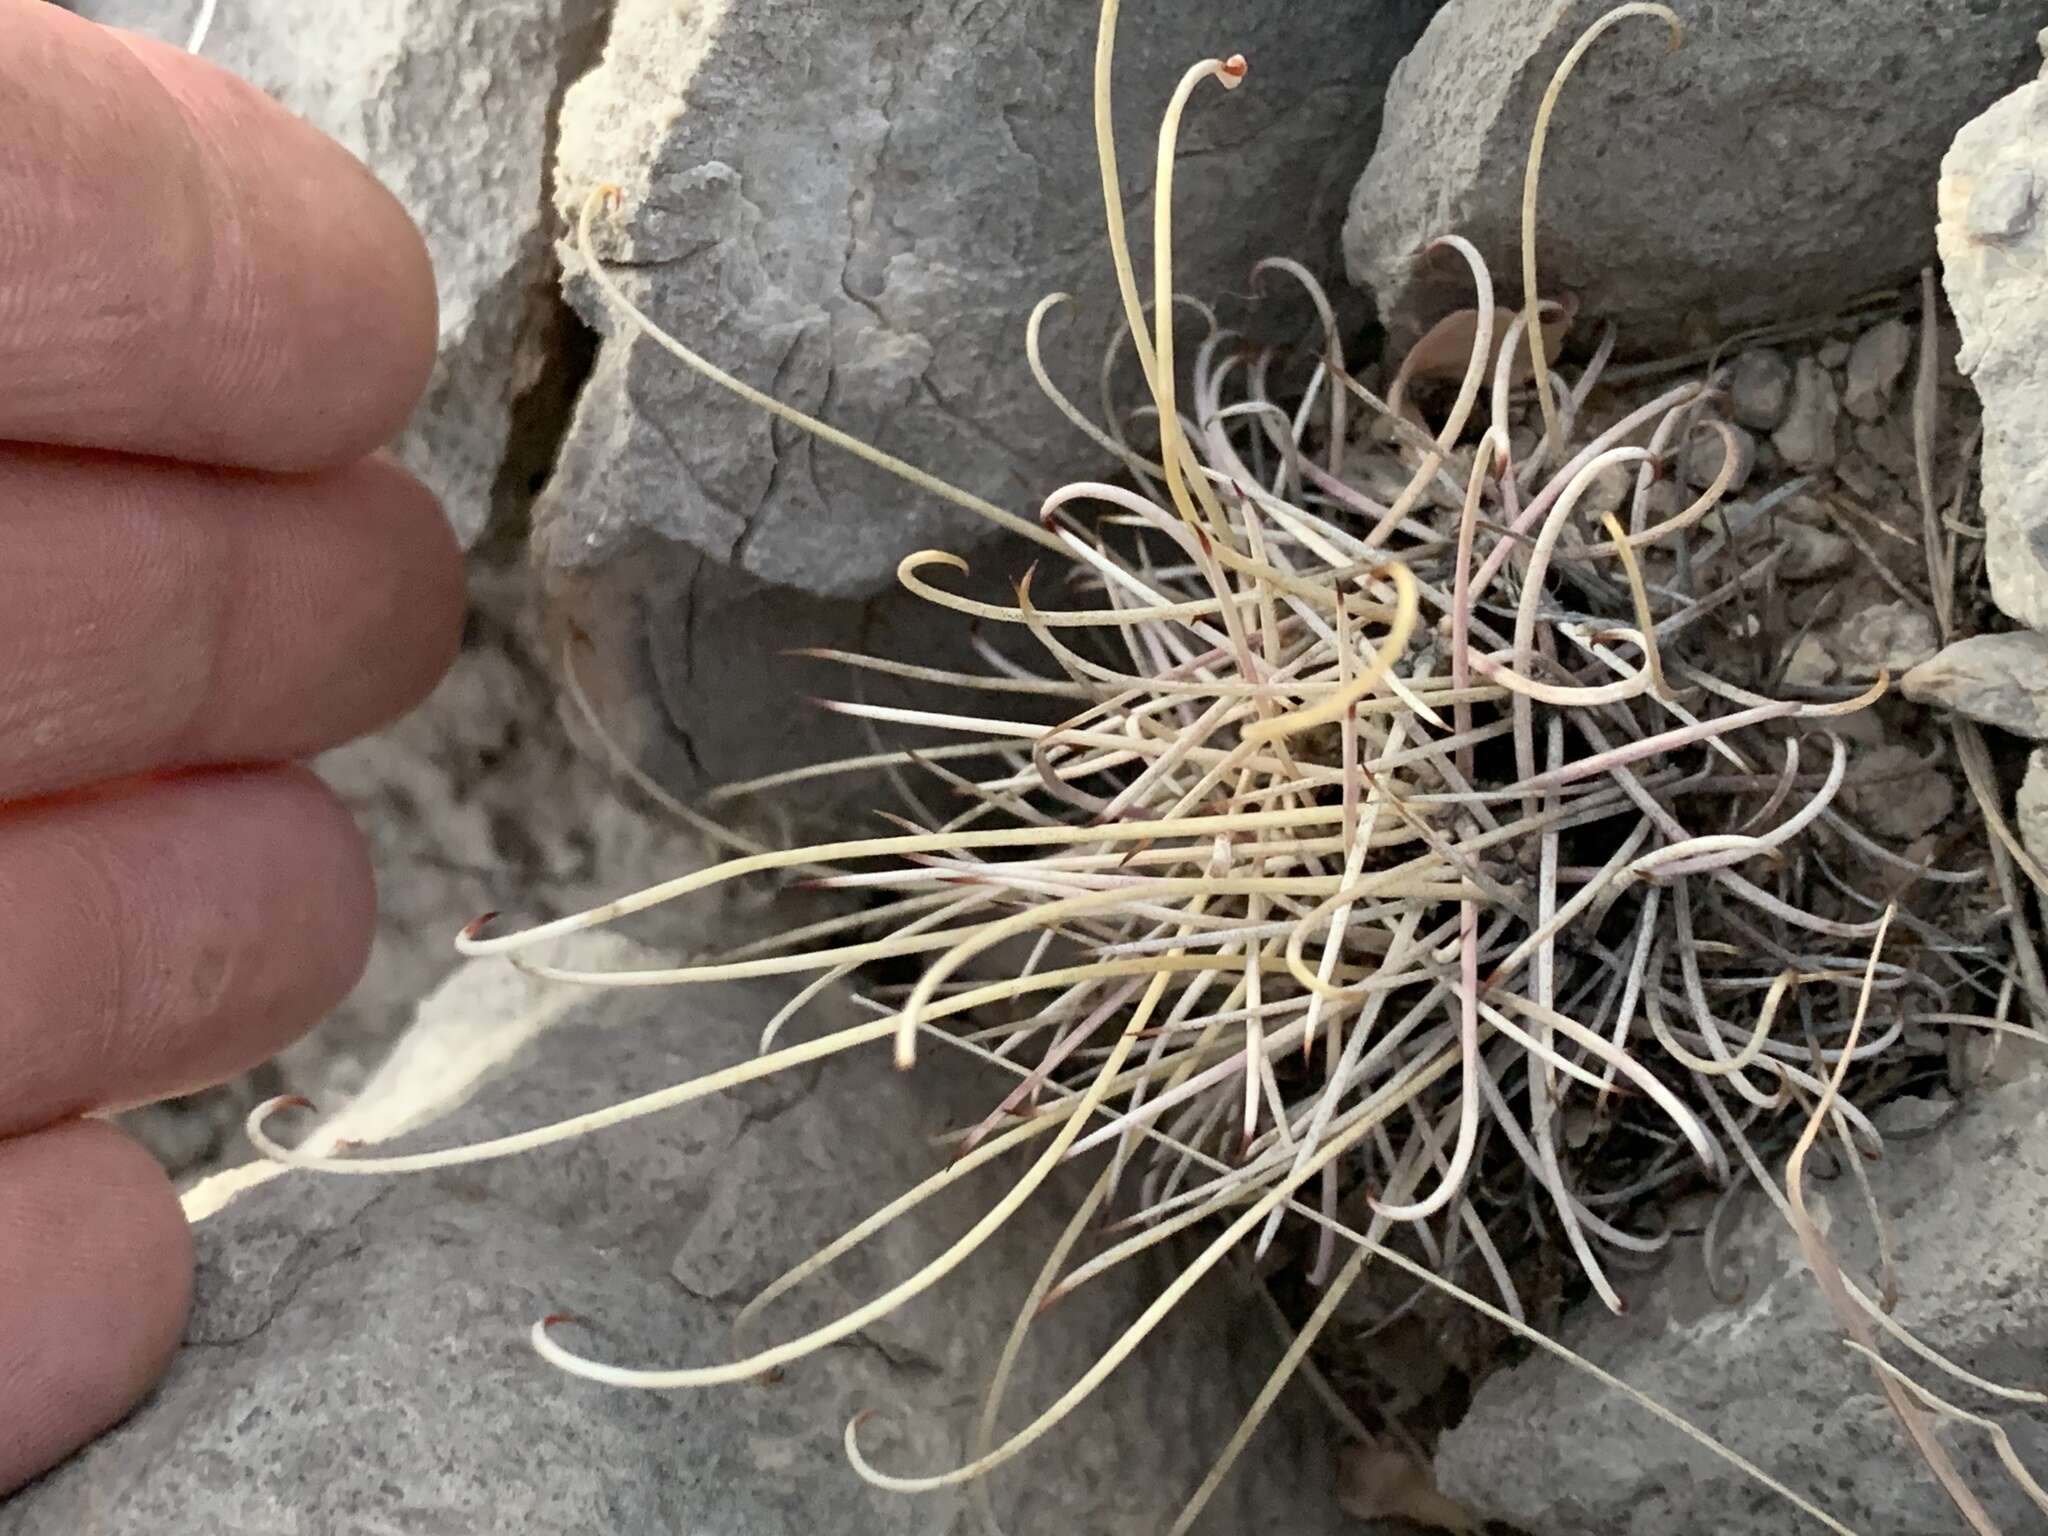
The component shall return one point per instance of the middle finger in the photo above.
(157, 616)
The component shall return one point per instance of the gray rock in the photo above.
(1994, 259)
(358, 1360)
(1811, 552)
(1759, 388)
(452, 105)
(1810, 665)
(1704, 453)
(1874, 365)
(856, 205)
(1806, 437)
(2030, 807)
(1999, 680)
(1553, 1450)
(1707, 188)
(1889, 637)
(702, 689)
(1898, 795)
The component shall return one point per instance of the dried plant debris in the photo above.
(1420, 867)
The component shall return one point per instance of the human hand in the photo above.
(209, 314)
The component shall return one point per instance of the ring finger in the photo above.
(165, 934)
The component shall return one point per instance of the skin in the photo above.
(210, 319)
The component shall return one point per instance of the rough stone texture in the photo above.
(855, 205)
(1999, 680)
(1549, 1448)
(699, 684)
(1809, 665)
(357, 1360)
(1806, 437)
(1759, 388)
(1904, 797)
(1994, 258)
(1811, 552)
(2030, 806)
(452, 105)
(1873, 366)
(1890, 637)
(1706, 190)
(1705, 455)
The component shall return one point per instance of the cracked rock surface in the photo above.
(358, 1359)
(854, 205)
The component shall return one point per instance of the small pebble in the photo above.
(1705, 450)
(1893, 637)
(1605, 493)
(1875, 363)
(1889, 444)
(1663, 499)
(1759, 388)
(1999, 680)
(1810, 665)
(1903, 1116)
(1907, 799)
(1811, 552)
(1856, 470)
(1806, 437)
(1807, 509)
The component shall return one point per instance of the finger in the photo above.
(155, 616)
(188, 270)
(96, 1266)
(165, 934)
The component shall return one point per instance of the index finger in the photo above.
(186, 269)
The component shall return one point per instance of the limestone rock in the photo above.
(1806, 437)
(1994, 258)
(452, 105)
(855, 206)
(697, 678)
(1873, 366)
(1703, 190)
(358, 1356)
(1809, 665)
(1811, 552)
(1897, 795)
(1705, 455)
(1554, 1451)
(2030, 807)
(1999, 680)
(1759, 388)
(1884, 637)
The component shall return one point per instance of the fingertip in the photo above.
(420, 543)
(348, 906)
(263, 301)
(96, 1262)
(355, 329)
